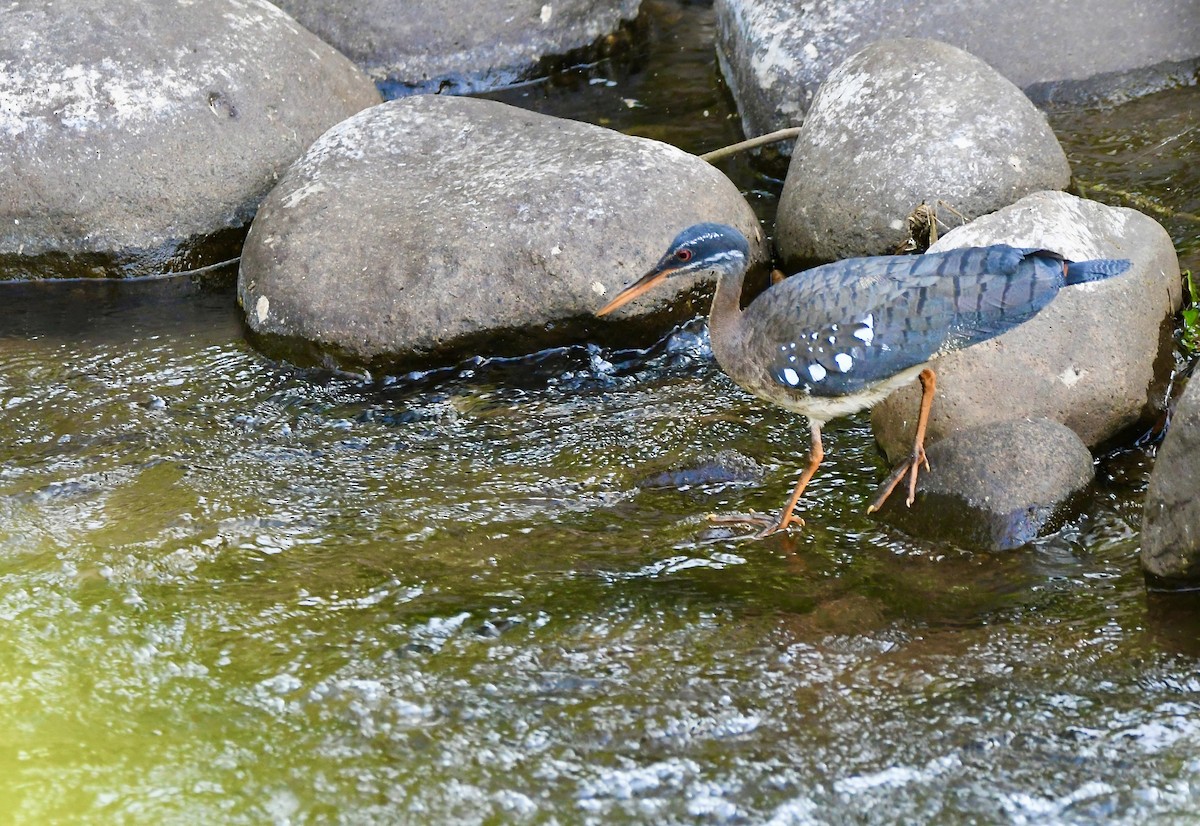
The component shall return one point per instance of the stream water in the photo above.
(234, 592)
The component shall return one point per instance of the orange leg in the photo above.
(786, 516)
(816, 455)
(910, 465)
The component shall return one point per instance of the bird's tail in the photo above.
(1080, 272)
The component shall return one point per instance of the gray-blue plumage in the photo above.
(841, 327)
(837, 338)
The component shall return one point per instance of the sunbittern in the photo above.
(841, 337)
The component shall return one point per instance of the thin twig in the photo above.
(207, 268)
(752, 143)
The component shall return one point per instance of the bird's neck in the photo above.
(725, 330)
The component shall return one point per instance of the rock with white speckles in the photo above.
(432, 46)
(432, 227)
(776, 53)
(1097, 359)
(1171, 522)
(906, 122)
(138, 136)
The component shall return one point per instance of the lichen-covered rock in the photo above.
(442, 45)
(132, 130)
(1171, 525)
(1094, 359)
(434, 226)
(995, 486)
(905, 122)
(776, 53)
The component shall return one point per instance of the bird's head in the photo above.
(698, 248)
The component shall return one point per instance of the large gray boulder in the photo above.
(905, 122)
(444, 45)
(1171, 525)
(776, 53)
(1090, 360)
(996, 486)
(435, 226)
(133, 130)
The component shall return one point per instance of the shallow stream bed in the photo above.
(231, 591)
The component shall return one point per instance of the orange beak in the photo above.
(644, 284)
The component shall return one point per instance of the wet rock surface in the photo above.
(436, 47)
(1091, 360)
(906, 122)
(433, 226)
(131, 132)
(776, 53)
(1171, 526)
(995, 486)
(722, 468)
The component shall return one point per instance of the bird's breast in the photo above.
(823, 408)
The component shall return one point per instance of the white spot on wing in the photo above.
(817, 371)
(866, 333)
(843, 361)
(790, 376)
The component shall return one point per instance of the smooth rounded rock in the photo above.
(433, 227)
(776, 53)
(906, 122)
(132, 131)
(995, 486)
(444, 46)
(1171, 524)
(1096, 359)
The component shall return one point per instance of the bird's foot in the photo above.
(766, 524)
(909, 468)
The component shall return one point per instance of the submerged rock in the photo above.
(434, 226)
(995, 486)
(1096, 359)
(906, 122)
(722, 468)
(1171, 525)
(132, 132)
(442, 45)
(776, 53)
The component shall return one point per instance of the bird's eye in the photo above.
(684, 255)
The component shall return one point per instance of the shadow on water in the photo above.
(87, 309)
(1174, 622)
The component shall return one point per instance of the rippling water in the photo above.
(235, 592)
